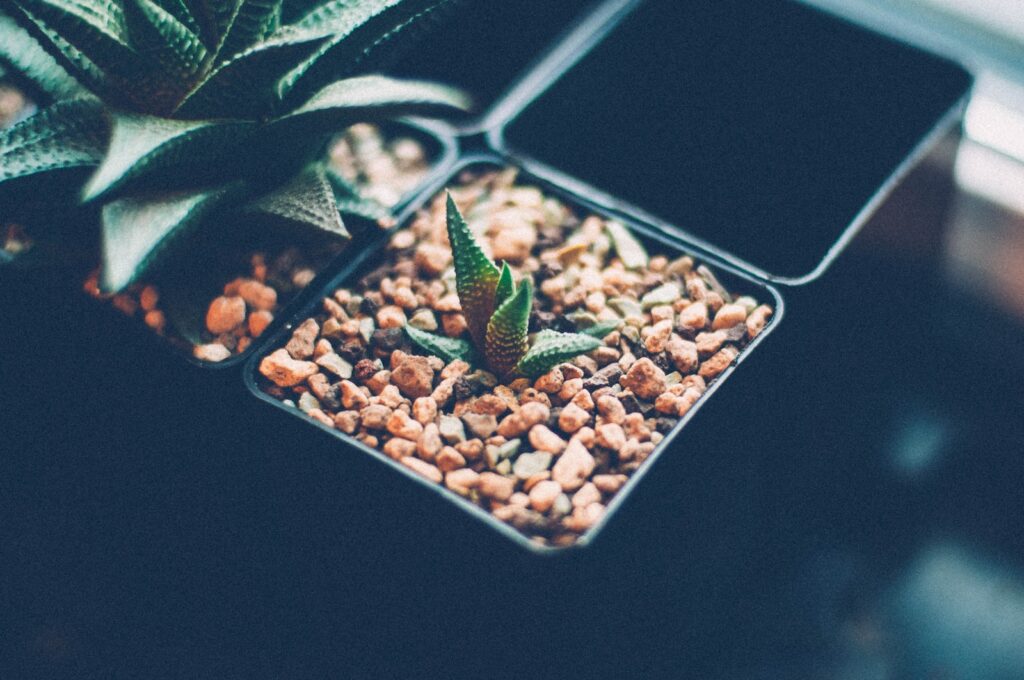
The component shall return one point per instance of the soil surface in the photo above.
(544, 455)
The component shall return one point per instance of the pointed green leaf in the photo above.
(26, 56)
(213, 17)
(551, 348)
(476, 277)
(506, 343)
(96, 28)
(136, 229)
(506, 287)
(180, 11)
(449, 349)
(306, 200)
(601, 328)
(164, 38)
(252, 21)
(244, 86)
(364, 98)
(67, 55)
(357, 30)
(67, 135)
(179, 152)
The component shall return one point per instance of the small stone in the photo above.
(257, 295)
(321, 417)
(644, 379)
(461, 481)
(583, 518)
(658, 337)
(413, 376)
(610, 436)
(683, 354)
(225, 313)
(543, 439)
(551, 382)
(424, 320)
(543, 495)
(399, 448)
(379, 381)
(570, 388)
(529, 414)
(213, 351)
(432, 259)
(694, 317)
(729, 316)
(301, 344)
(561, 507)
(611, 409)
(481, 425)
(489, 404)
(156, 320)
(284, 371)
(587, 494)
(709, 343)
(529, 464)
(757, 320)
(609, 483)
(375, 417)
(495, 486)
(714, 366)
(386, 340)
(401, 425)
(424, 409)
(472, 449)
(662, 313)
(664, 294)
(336, 365)
(584, 400)
(452, 429)
(390, 396)
(346, 421)
(390, 316)
(148, 298)
(351, 396)
(307, 402)
(572, 418)
(449, 459)
(573, 467)
(423, 468)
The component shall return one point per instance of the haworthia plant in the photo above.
(172, 101)
(493, 303)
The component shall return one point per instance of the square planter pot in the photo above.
(432, 499)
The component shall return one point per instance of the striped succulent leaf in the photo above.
(551, 348)
(449, 349)
(476, 277)
(506, 340)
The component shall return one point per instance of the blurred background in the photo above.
(877, 521)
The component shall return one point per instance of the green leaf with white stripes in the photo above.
(307, 200)
(136, 229)
(174, 152)
(23, 53)
(551, 348)
(476, 277)
(171, 43)
(68, 135)
(252, 21)
(506, 340)
(449, 349)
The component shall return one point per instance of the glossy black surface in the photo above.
(762, 128)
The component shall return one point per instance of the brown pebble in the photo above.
(212, 352)
(225, 313)
(284, 371)
(757, 320)
(714, 366)
(257, 295)
(375, 416)
(398, 448)
(644, 379)
(573, 467)
(610, 436)
(543, 495)
(449, 459)
(401, 425)
(390, 316)
(587, 494)
(728, 316)
(300, 346)
(543, 439)
(527, 416)
(481, 425)
(495, 486)
(572, 418)
(346, 421)
(414, 376)
(709, 343)
(462, 480)
(424, 409)
(422, 468)
(609, 483)
(694, 317)
(611, 409)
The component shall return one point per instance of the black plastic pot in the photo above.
(219, 255)
(656, 242)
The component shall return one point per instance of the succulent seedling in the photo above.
(497, 315)
(180, 107)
